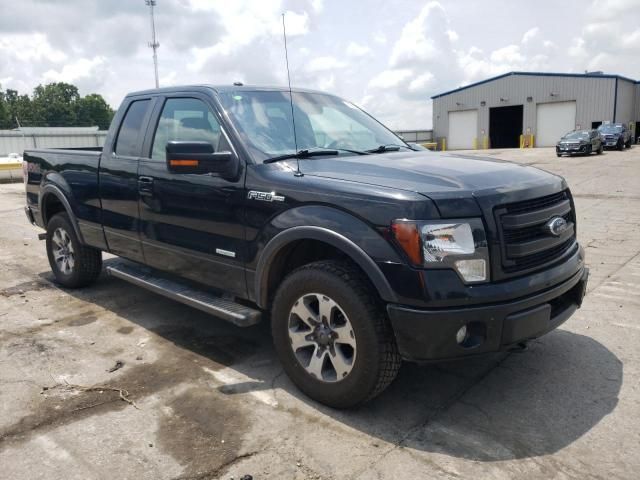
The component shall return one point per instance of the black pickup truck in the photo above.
(251, 202)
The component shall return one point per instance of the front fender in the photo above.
(359, 241)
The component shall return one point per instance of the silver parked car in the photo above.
(580, 142)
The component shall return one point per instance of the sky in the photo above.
(387, 56)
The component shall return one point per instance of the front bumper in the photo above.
(424, 335)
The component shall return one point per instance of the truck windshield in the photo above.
(263, 119)
(610, 128)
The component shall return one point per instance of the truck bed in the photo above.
(72, 170)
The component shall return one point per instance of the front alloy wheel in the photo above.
(322, 337)
(332, 335)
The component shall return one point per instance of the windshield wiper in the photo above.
(315, 152)
(302, 154)
(387, 148)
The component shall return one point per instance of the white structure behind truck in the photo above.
(533, 107)
(18, 140)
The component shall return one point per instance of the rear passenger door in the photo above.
(119, 180)
(192, 224)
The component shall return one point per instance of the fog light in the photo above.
(461, 335)
(474, 270)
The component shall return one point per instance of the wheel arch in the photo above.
(280, 245)
(52, 195)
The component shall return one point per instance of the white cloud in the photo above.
(390, 78)
(530, 34)
(30, 48)
(72, 72)
(357, 50)
(392, 59)
(320, 64)
(417, 42)
(422, 83)
(510, 54)
(380, 38)
(453, 35)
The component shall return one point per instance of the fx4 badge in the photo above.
(265, 196)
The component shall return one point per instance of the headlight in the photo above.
(458, 244)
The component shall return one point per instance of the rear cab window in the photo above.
(131, 133)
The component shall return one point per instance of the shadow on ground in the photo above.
(492, 408)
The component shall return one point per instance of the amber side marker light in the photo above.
(408, 237)
(184, 163)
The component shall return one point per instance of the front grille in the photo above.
(536, 203)
(526, 241)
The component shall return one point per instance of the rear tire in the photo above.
(73, 264)
(359, 360)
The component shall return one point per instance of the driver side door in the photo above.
(192, 223)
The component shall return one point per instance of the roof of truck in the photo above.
(221, 89)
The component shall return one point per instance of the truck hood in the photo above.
(447, 178)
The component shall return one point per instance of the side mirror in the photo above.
(199, 157)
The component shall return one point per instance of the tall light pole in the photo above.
(153, 43)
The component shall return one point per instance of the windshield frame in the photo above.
(258, 156)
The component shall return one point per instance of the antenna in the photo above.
(153, 43)
(293, 120)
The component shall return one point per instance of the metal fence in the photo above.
(17, 141)
(416, 136)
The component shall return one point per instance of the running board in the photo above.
(223, 308)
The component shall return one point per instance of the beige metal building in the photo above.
(532, 108)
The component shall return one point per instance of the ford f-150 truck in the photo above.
(251, 202)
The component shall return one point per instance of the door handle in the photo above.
(145, 185)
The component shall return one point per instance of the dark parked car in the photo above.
(615, 135)
(580, 142)
(361, 251)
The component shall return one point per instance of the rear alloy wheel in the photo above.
(63, 253)
(73, 264)
(332, 335)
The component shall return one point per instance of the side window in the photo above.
(130, 134)
(185, 119)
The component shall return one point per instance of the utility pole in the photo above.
(153, 43)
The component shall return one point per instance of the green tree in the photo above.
(56, 104)
(4, 112)
(53, 105)
(93, 110)
(20, 109)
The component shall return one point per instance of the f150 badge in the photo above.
(265, 196)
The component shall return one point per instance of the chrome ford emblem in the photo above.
(557, 225)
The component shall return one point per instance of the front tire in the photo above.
(332, 335)
(620, 145)
(600, 150)
(73, 264)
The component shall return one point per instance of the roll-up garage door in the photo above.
(553, 120)
(463, 128)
